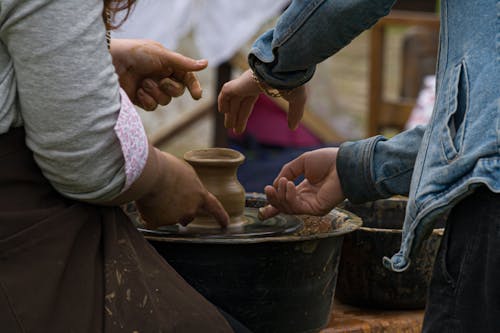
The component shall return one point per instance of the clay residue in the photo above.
(315, 225)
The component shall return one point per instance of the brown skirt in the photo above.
(67, 266)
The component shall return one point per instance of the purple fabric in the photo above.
(268, 125)
(133, 140)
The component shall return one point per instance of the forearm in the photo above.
(307, 33)
(377, 168)
(146, 183)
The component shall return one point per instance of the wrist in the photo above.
(268, 90)
(147, 183)
(119, 55)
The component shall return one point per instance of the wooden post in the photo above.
(220, 135)
(376, 77)
(383, 113)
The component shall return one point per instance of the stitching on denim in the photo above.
(447, 142)
(18, 322)
(442, 260)
(368, 155)
(378, 183)
(452, 187)
(467, 105)
(425, 210)
(498, 121)
(417, 220)
(443, 47)
(450, 151)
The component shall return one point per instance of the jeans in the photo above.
(464, 294)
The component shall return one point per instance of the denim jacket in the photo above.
(436, 165)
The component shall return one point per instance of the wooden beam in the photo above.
(220, 134)
(314, 123)
(163, 135)
(395, 114)
(410, 18)
(376, 78)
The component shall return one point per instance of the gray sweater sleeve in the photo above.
(67, 93)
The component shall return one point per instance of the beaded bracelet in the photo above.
(271, 92)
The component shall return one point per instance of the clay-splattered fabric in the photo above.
(66, 266)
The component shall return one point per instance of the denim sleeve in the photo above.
(308, 32)
(377, 168)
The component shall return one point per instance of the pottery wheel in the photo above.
(278, 225)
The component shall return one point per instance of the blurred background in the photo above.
(381, 83)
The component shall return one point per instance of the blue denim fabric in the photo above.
(394, 160)
(437, 165)
(308, 32)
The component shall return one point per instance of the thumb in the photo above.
(292, 170)
(215, 208)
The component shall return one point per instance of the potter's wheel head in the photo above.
(276, 226)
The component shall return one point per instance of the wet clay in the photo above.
(217, 169)
(316, 225)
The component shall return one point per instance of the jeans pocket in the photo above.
(458, 245)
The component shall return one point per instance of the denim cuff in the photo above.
(354, 167)
(281, 81)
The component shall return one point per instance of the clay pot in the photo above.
(217, 169)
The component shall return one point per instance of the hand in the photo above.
(150, 74)
(317, 194)
(237, 98)
(178, 197)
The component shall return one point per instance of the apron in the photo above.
(67, 266)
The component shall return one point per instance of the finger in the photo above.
(172, 87)
(272, 198)
(292, 198)
(214, 208)
(153, 90)
(267, 212)
(282, 190)
(145, 101)
(296, 108)
(221, 101)
(224, 105)
(227, 115)
(244, 113)
(185, 220)
(234, 107)
(271, 194)
(292, 170)
(284, 197)
(193, 85)
(178, 62)
(149, 222)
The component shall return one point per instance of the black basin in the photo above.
(363, 281)
(270, 284)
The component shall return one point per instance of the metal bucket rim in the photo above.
(437, 231)
(350, 222)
